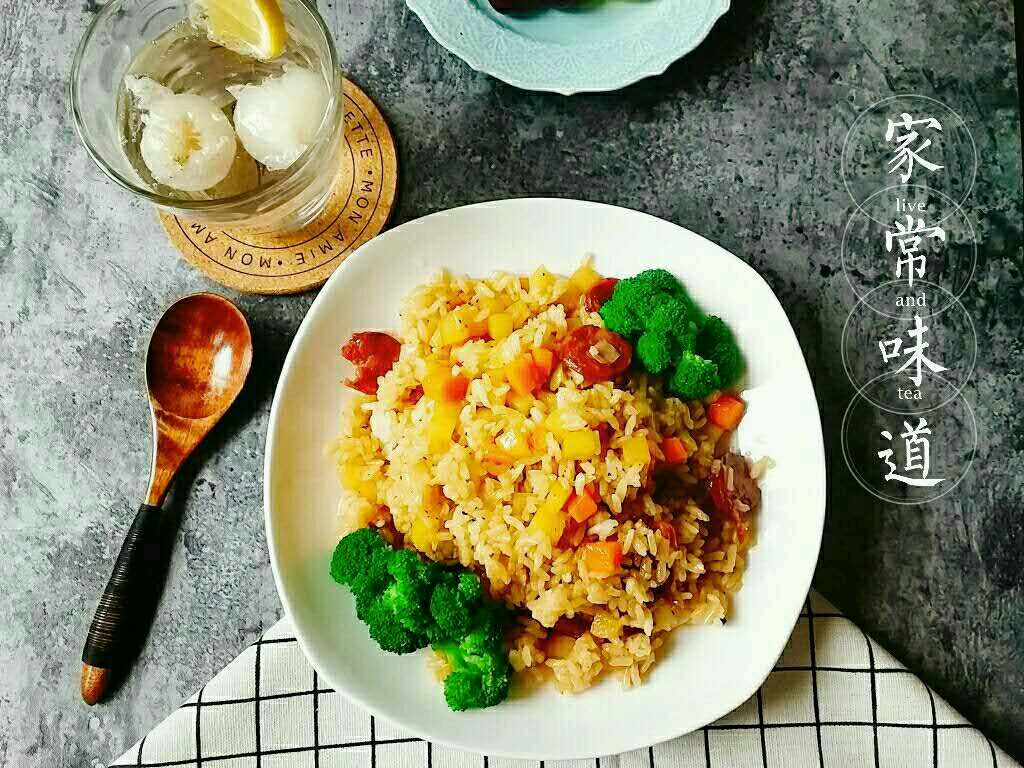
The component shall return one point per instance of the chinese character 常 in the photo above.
(908, 236)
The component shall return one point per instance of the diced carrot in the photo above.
(496, 461)
(582, 508)
(726, 412)
(572, 534)
(478, 329)
(544, 359)
(674, 450)
(523, 375)
(592, 491)
(602, 558)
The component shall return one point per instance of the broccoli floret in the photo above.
(694, 377)
(636, 299)
(408, 603)
(454, 602)
(619, 314)
(716, 343)
(388, 630)
(672, 336)
(408, 595)
(652, 281)
(481, 673)
(391, 587)
(348, 564)
(655, 351)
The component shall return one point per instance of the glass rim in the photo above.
(327, 125)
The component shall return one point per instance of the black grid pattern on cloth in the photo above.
(834, 699)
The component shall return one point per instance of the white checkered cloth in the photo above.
(835, 698)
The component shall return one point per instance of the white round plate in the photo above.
(704, 672)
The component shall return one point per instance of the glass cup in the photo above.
(288, 200)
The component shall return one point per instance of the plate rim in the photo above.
(624, 743)
(455, 44)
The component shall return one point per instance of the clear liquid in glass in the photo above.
(183, 59)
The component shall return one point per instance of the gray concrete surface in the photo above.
(740, 141)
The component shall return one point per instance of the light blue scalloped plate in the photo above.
(603, 46)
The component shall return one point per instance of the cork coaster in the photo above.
(291, 262)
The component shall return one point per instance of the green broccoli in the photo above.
(694, 377)
(635, 299)
(409, 595)
(454, 602)
(655, 351)
(408, 603)
(481, 673)
(716, 343)
(352, 552)
(671, 336)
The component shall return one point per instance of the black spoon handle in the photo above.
(127, 604)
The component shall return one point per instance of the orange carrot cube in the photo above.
(582, 508)
(726, 412)
(544, 359)
(523, 375)
(602, 558)
(674, 450)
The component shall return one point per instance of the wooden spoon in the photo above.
(198, 360)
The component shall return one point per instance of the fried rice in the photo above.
(455, 502)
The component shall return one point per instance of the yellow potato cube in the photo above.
(520, 313)
(514, 443)
(519, 502)
(581, 444)
(492, 305)
(368, 490)
(422, 534)
(454, 330)
(351, 477)
(606, 626)
(550, 518)
(500, 325)
(570, 297)
(541, 280)
(474, 319)
(560, 424)
(442, 424)
(636, 451)
(585, 278)
(522, 403)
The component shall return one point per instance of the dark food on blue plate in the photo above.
(521, 6)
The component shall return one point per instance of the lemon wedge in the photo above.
(249, 27)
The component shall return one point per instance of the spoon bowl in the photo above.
(199, 356)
